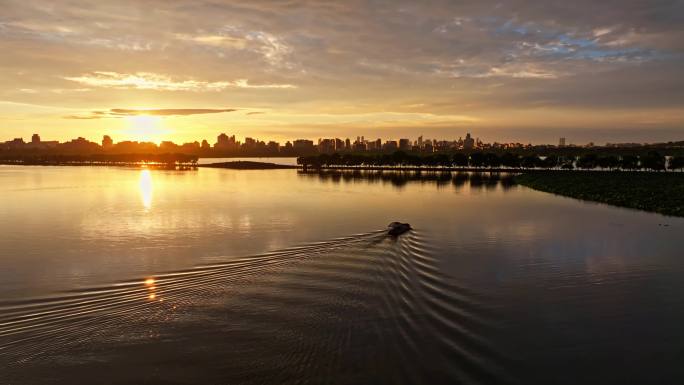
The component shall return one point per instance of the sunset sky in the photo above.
(187, 70)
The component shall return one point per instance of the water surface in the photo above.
(114, 275)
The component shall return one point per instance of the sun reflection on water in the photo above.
(150, 283)
(145, 185)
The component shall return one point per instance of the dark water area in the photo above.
(343, 311)
(115, 276)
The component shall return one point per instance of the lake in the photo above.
(114, 275)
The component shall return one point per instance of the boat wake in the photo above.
(368, 308)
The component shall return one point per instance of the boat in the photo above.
(397, 228)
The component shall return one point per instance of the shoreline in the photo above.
(656, 192)
(251, 165)
(248, 165)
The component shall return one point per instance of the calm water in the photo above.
(222, 276)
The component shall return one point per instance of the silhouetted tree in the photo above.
(530, 161)
(653, 161)
(677, 162)
(551, 161)
(629, 162)
(510, 160)
(609, 162)
(443, 160)
(460, 159)
(477, 159)
(492, 160)
(587, 161)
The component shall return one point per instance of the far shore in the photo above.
(248, 165)
(659, 192)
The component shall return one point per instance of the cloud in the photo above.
(273, 49)
(515, 71)
(214, 40)
(82, 117)
(158, 82)
(244, 83)
(482, 58)
(123, 112)
(255, 113)
(168, 111)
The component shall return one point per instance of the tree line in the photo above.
(95, 159)
(652, 161)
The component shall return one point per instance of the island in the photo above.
(248, 165)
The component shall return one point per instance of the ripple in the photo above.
(362, 308)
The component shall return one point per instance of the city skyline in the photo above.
(513, 72)
(250, 146)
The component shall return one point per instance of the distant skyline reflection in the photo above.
(399, 179)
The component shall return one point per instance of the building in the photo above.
(250, 144)
(15, 143)
(273, 147)
(339, 144)
(404, 145)
(468, 142)
(561, 142)
(225, 142)
(80, 145)
(359, 146)
(303, 146)
(390, 145)
(326, 146)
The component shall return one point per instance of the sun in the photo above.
(145, 128)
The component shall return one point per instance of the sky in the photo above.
(507, 71)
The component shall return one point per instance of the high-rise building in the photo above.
(326, 145)
(35, 139)
(468, 142)
(339, 144)
(225, 142)
(561, 142)
(250, 143)
(303, 145)
(390, 145)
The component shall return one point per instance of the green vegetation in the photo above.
(651, 160)
(182, 160)
(660, 192)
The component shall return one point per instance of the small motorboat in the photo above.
(397, 228)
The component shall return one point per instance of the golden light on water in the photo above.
(145, 186)
(150, 283)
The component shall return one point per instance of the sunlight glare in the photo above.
(145, 185)
(144, 128)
